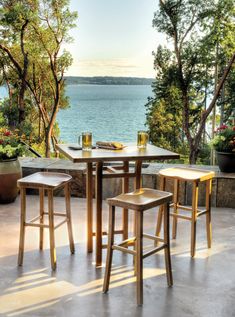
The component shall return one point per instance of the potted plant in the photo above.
(10, 170)
(224, 145)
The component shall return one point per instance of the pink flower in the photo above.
(223, 127)
(7, 133)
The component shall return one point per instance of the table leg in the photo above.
(125, 189)
(138, 166)
(99, 169)
(89, 197)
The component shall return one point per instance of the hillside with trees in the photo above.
(107, 80)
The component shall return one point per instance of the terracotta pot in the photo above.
(226, 162)
(10, 172)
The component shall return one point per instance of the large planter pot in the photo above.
(10, 172)
(226, 162)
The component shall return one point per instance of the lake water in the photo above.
(110, 112)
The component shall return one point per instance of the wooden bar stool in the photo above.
(139, 201)
(195, 176)
(49, 182)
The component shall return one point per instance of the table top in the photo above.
(129, 153)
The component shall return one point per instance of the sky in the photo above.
(113, 38)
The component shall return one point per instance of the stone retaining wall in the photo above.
(223, 190)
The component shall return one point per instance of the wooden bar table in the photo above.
(99, 157)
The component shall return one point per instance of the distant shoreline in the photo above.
(107, 80)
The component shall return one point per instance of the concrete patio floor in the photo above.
(203, 286)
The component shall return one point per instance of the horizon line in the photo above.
(108, 76)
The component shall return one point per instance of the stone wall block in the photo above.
(226, 193)
(149, 181)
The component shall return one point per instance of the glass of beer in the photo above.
(86, 141)
(142, 139)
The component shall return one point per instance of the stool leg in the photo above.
(68, 213)
(109, 249)
(41, 231)
(194, 217)
(139, 256)
(208, 212)
(135, 243)
(125, 189)
(160, 211)
(51, 229)
(175, 210)
(138, 184)
(166, 208)
(22, 225)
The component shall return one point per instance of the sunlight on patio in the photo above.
(36, 289)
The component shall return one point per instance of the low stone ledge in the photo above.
(223, 190)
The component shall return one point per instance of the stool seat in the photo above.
(187, 174)
(47, 180)
(141, 199)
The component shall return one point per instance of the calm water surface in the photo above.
(110, 112)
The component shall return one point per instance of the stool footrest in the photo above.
(34, 219)
(202, 212)
(38, 225)
(125, 250)
(41, 225)
(61, 223)
(180, 216)
(199, 211)
(129, 241)
(157, 249)
(58, 214)
(186, 208)
(152, 237)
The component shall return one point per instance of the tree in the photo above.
(37, 56)
(163, 111)
(191, 26)
(15, 19)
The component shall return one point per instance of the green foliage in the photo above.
(224, 140)
(10, 146)
(203, 37)
(9, 113)
(163, 111)
(32, 64)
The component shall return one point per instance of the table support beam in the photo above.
(89, 197)
(125, 189)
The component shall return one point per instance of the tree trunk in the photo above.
(193, 153)
(48, 143)
(21, 105)
(193, 156)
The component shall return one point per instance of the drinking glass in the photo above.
(86, 141)
(142, 139)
